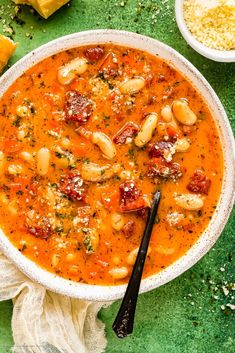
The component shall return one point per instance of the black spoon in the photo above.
(123, 324)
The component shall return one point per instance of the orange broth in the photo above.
(72, 234)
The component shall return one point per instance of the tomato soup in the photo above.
(87, 137)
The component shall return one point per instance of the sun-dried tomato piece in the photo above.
(151, 99)
(159, 168)
(160, 149)
(161, 78)
(40, 228)
(199, 183)
(142, 213)
(128, 229)
(131, 198)
(109, 66)
(94, 54)
(127, 131)
(72, 186)
(77, 107)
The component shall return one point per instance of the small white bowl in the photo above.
(223, 208)
(213, 54)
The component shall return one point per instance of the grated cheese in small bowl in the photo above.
(208, 26)
(212, 22)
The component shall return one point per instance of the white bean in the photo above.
(147, 129)
(105, 144)
(10, 205)
(62, 162)
(55, 259)
(116, 260)
(131, 257)
(167, 114)
(132, 86)
(182, 145)
(95, 172)
(183, 113)
(73, 270)
(67, 73)
(117, 221)
(15, 169)
(43, 161)
(12, 208)
(119, 272)
(165, 250)
(70, 257)
(189, 201)
(100, 139)
(27, 156)
(3, 198)
(65, 158)
(2, 162)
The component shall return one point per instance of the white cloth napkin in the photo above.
(45, 322)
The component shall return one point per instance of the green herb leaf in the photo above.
(17, 121)
(88, 244)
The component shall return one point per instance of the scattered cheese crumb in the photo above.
(225, 290)
(231, 306)
(212, 22)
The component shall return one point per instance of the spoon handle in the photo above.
(123, 324)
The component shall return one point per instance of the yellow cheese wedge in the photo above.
(44, 7)
(7, 48)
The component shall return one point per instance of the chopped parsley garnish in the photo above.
(60, 215)
(131, 152)
(17, 121)
(86, 160)
(59, 229)
(58, 154)
(88, 244)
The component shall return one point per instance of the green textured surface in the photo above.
(184, 316)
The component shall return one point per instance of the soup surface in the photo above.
(87, 136)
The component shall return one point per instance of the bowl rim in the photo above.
(210, 53)
(209, 236)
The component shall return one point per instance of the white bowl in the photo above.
(220, 217)
(213, 54)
